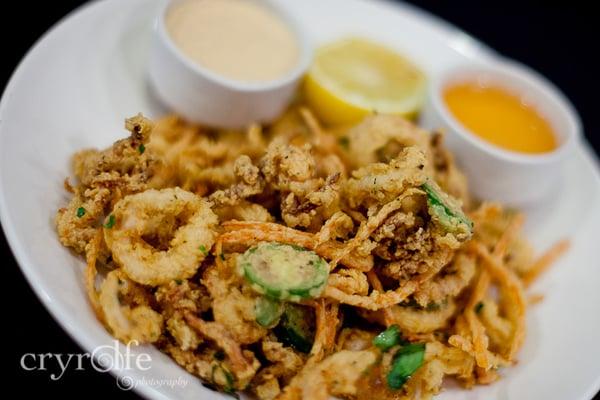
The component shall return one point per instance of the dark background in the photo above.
(559, 40)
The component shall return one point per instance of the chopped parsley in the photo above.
(344, 142)
(432, 306)
(230, 388)
(202, 248)
(110, 223)
(478, 307)
(141, 148)
(80, 212)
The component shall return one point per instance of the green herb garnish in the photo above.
(178, 281)
(202, 248)
(388, 338)
(80, 212)
(344, 142)
(478, 307)
(111, 222)
(432, 306)
(230, 388)
(406, 361)
(141, 148)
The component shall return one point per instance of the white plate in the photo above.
(77, 84)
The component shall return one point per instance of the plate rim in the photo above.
(58, 313)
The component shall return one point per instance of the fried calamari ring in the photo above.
(243, 363)
(151, 217)
(338, 375)
(127, 323)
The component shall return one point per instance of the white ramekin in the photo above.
(203, 96)
(516, 179)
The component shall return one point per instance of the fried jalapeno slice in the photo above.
(446, 211)
(297, 327)
(284, 272)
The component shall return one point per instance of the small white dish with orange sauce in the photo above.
(510, 128)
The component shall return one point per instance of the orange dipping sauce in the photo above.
(500, 117)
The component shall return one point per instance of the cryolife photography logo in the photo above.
(116, 356)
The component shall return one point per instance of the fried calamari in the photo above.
(359, 230)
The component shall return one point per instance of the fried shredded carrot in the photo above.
(512, 288)
(353, 195)
(545, 261)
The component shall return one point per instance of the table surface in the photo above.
(556, 40)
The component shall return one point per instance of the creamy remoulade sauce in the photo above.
(238, 39)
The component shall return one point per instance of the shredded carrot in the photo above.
(513, 288)
(545, 261)
(376, 283)
(535, 298)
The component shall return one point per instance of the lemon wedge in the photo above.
(354, 77)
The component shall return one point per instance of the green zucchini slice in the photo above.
(284, 272)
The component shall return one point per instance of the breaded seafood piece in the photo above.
(160, 235)
(126, 310)
(381, 137)
(380, 183)
(103, 178)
